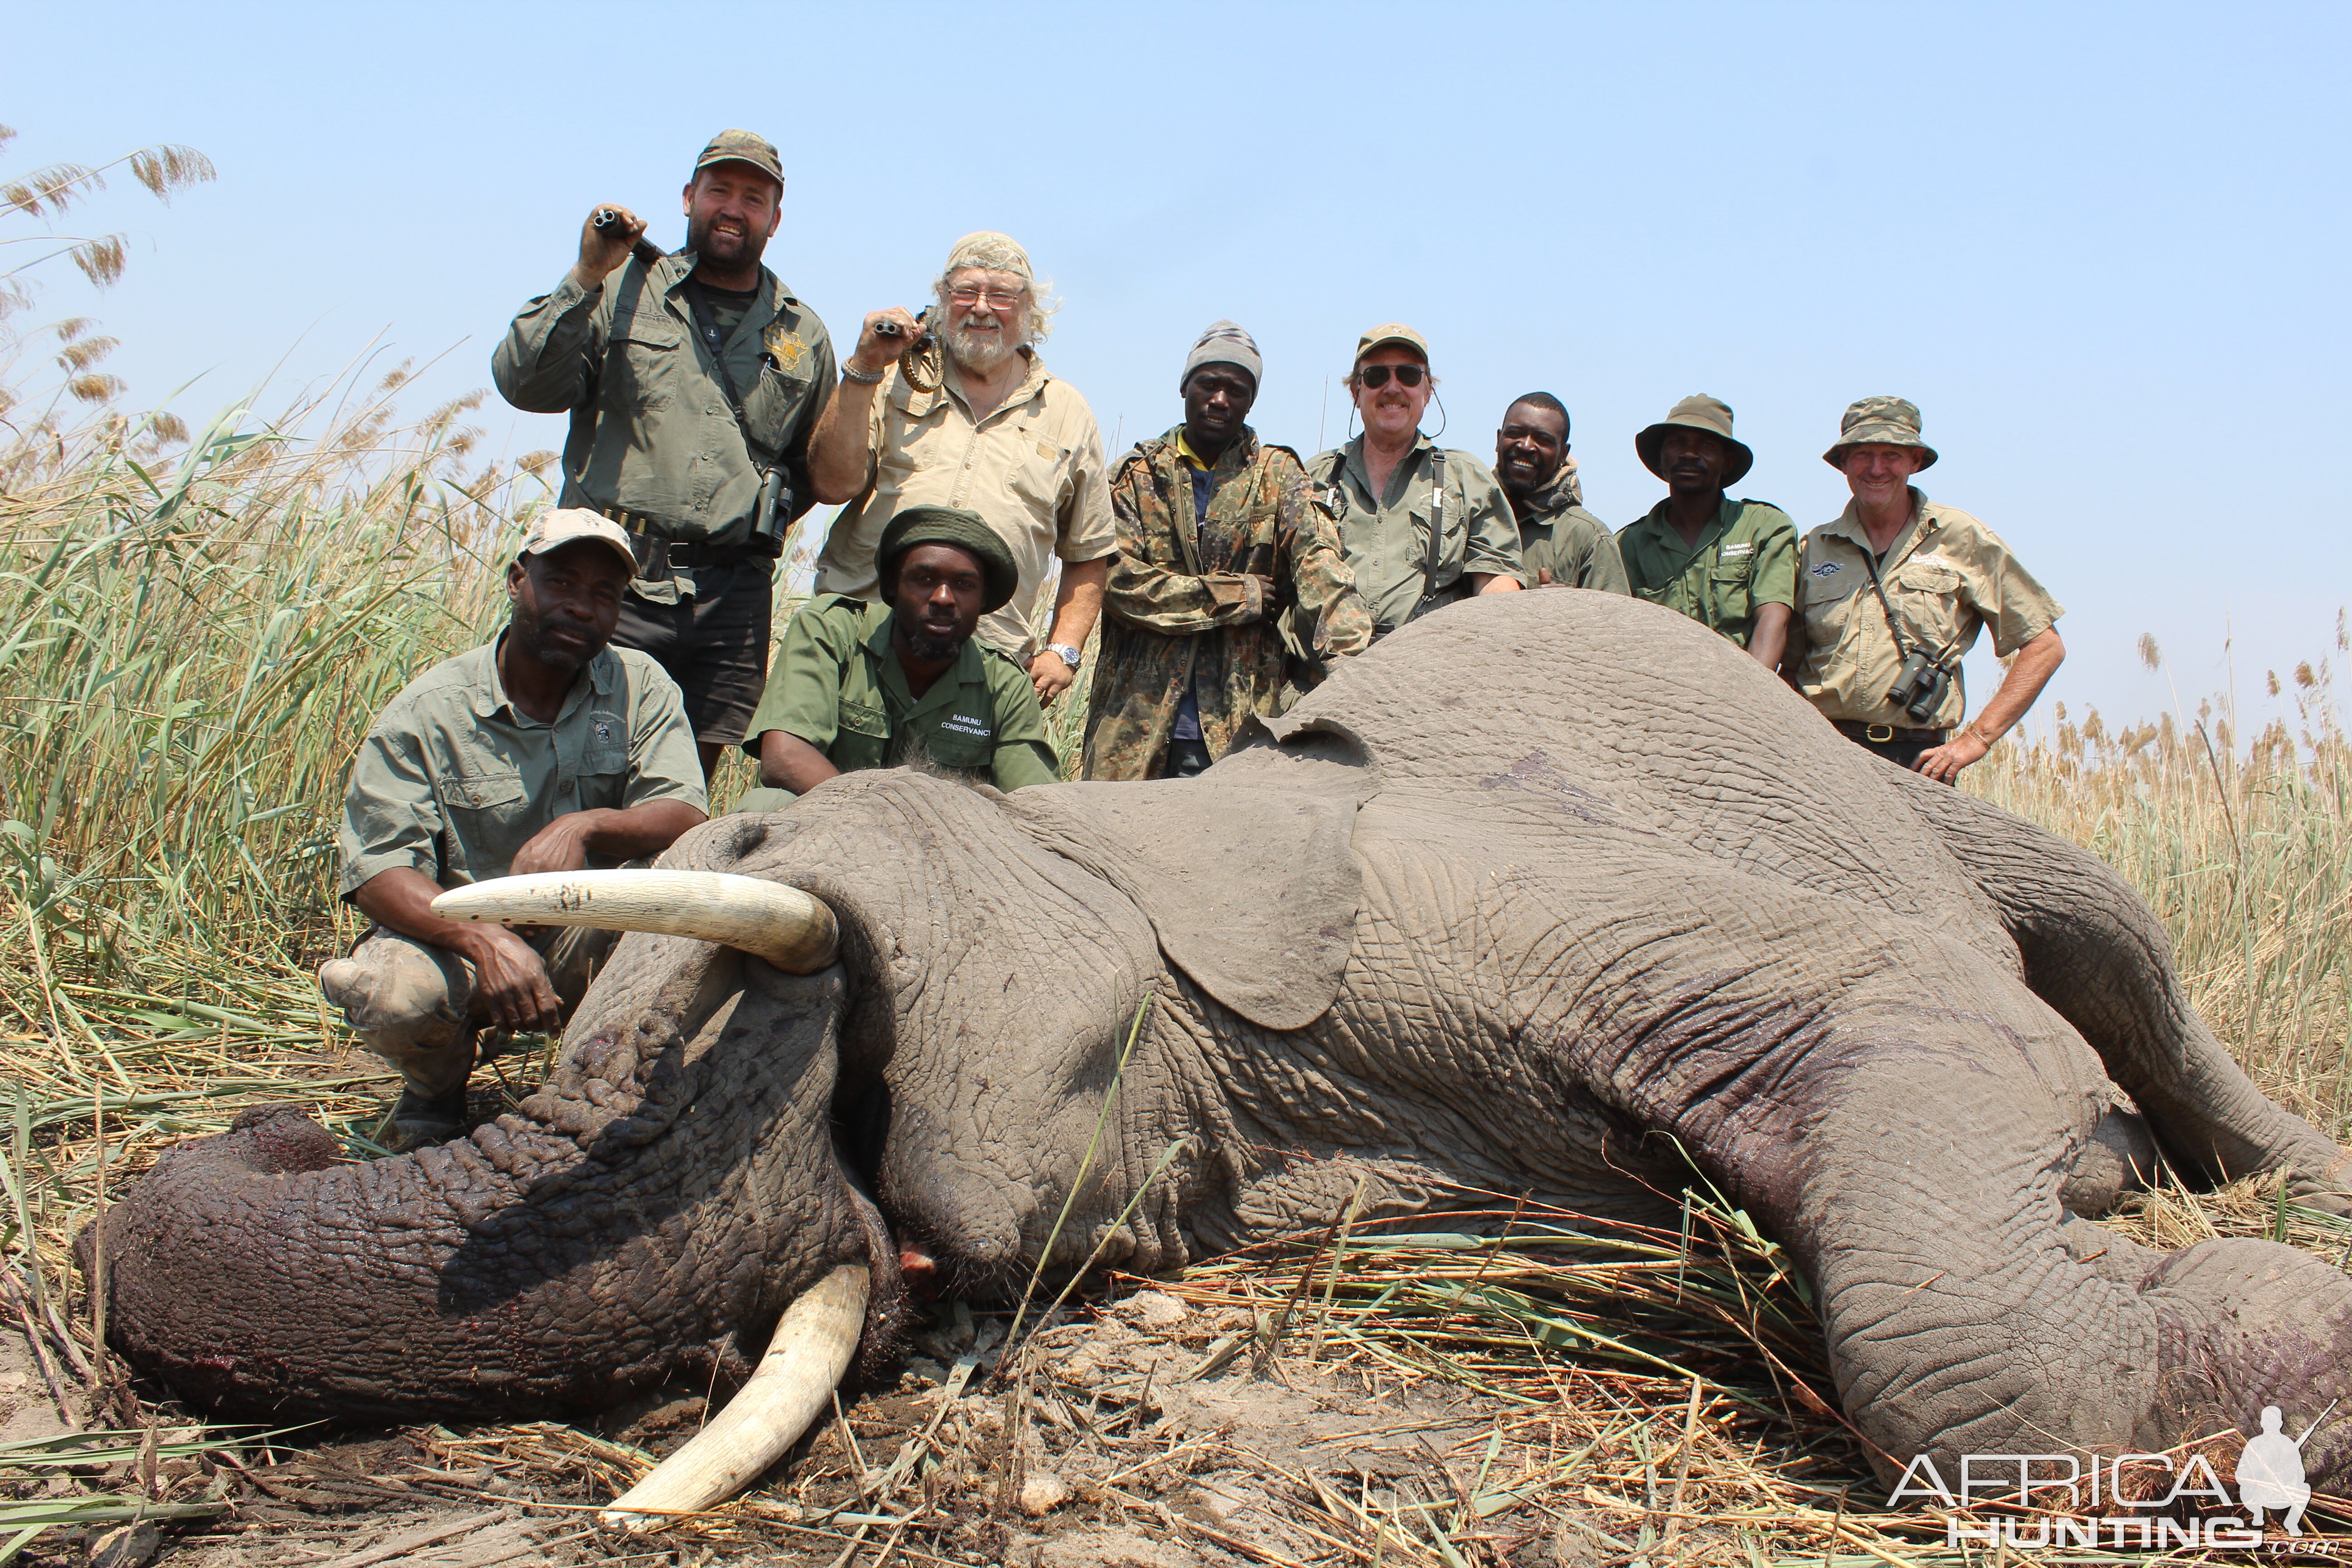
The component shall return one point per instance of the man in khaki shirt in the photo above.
(541, 752)
(974, 421)
(1893, 592)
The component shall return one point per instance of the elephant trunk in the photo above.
(645, 1216)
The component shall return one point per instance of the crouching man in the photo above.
(861, 685)
(545, 750)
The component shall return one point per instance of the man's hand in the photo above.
(1943, 764)
(560, 846)
(874, 354)
(1051, 676)
(510, 982)
(603, 249)
(1544, 579)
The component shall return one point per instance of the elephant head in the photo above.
(1622, 901)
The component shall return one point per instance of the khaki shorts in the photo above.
(413, 1004)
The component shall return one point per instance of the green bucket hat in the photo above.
(1696, 411)
(966, 532)
(1895, 421)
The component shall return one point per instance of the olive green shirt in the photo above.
(655, 443)
(1557, 535)
(1385, 539)
(1745, 559)
(838, 685)
(1947, 576)
(452, 778)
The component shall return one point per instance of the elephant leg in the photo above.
(2095, 952)
(1967, 1312)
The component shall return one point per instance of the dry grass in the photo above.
(197, 637)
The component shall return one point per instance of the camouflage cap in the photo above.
(575, 525)
(989, 250)
(1696, 411)
(742, 147)
(966, 532)
(1891, 421)
(1391, 333)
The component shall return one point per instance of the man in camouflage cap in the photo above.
(1560, 542)
(1218, 538)
(544, 751)
(1728, 564)
(860, 684)
(1893, 592)
(694, 382)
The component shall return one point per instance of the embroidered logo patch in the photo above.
(786, 350)
(1731, 550)
(1827, 569)
(966, 725)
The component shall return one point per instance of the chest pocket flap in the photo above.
(865, 718)
(1928, 577)
(482, 791)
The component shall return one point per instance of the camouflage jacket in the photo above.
(1184, 604)
(1557, 534)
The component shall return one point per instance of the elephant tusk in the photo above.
(789, 928)
(791, 1385)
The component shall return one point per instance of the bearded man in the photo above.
(694, 381)
(979, 425)
(861, 685)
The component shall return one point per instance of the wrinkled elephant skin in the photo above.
(1539, 893)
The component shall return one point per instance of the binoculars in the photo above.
(1919, 686)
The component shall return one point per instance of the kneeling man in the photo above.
(544, 751)
(864, 685)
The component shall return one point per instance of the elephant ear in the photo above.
(1251, 891)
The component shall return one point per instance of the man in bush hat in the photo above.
(1560, 543)
(867, 685)
(1892, 594)
(544, 751)
(694, 384)
(1388, 486)
(1218, 537)
(980, 424)
(1730, 564)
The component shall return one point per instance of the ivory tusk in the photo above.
(790, 1386)
(792, 930)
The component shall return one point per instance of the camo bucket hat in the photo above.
(1698, 412)
(1894, 421)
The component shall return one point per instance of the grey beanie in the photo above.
(1224, 343)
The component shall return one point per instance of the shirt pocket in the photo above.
(488, 812)
(1732, 586)
(963, 743)
(651, 348)
(861, 736)
(604, 770)
(1036, 474)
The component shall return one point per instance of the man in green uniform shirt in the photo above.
(545, 750)
(864, 684)
(1728, 564)
(1415, 547)
(1560, 543)
(694, 384)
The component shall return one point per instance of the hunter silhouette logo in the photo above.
(2270, 1475)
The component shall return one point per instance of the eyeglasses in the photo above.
(1377, 376)
(987, 299)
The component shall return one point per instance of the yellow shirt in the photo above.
(1947, 577)
(1033, 469)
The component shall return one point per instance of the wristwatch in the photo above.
(1066, 654)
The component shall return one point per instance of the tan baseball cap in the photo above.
(1391, 333)
(570, 525)
(742, 147)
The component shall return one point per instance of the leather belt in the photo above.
(656, 553)
(1880, 734)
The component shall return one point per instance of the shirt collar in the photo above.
(1559, 492)
(1848, 525)
(1237, 451)
(603, 677)
(1672, 538)
(918, 403)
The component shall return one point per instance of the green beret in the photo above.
(965, 530)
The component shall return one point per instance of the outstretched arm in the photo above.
(2029, 672)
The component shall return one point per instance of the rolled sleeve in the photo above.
(1494, 538)
(391, 816)
(804, 693)
(1086, 529)
(2013, 604)
(1775, 582)
(664, 762)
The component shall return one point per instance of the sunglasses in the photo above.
(1375, 377)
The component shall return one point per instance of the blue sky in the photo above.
(2103, 248)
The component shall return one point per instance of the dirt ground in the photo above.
(1143, 1435)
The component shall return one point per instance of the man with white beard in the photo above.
(998, 435)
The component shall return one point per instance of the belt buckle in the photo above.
(1879, 732)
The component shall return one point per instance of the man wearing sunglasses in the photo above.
(1421, 526)
(981, 425)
